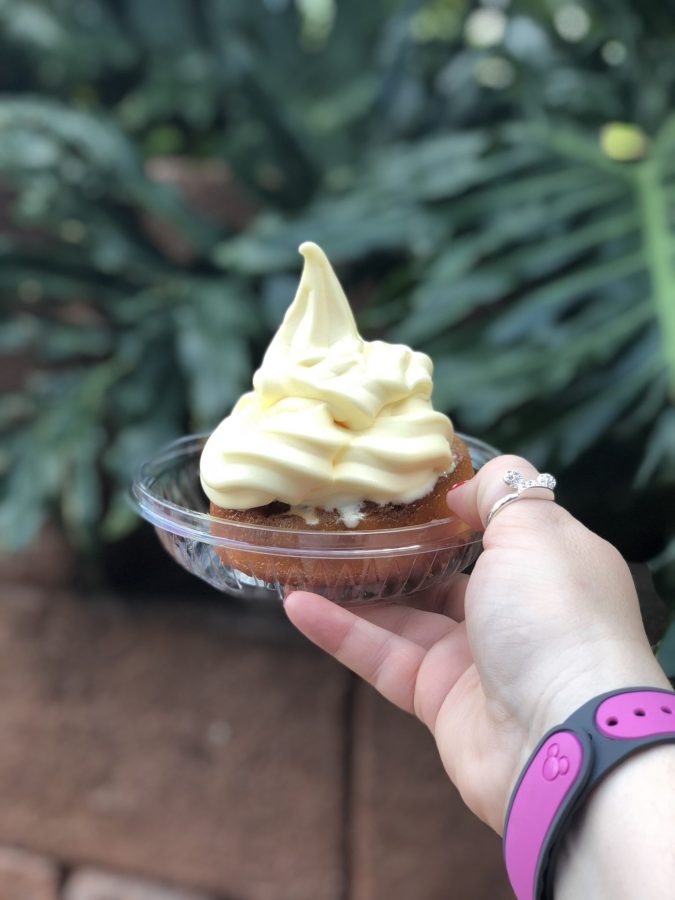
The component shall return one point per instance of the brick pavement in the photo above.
(154, 740)
(412, 837)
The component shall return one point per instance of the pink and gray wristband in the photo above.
(565, 767)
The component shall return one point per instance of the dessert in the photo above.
(338, 434)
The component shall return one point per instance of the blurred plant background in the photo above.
(495, 183)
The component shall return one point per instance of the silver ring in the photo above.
(516, 480)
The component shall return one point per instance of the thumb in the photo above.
(473, 500)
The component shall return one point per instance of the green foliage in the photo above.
(495, 187)
(544, 283)
(124, 351)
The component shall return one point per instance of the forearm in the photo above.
(622, 843)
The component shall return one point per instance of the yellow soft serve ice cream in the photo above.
(332, 420)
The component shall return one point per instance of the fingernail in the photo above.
(455, 486)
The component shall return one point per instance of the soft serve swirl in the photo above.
(332, 420)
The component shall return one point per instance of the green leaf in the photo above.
(659, 252)
(212, 330)
(81, 499)
(24, 490)
(565, 191)
(545, 303)
(449, 305)
(571, 142)
(658, 463)
(120, 518)
(14, 408)
(40, 133)
(349, 228)
(91, 136)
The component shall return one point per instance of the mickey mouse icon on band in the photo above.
(554, 764)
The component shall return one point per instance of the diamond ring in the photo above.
(516, 480)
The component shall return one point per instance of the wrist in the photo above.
(619, 844)
(621, 667)
(569, 766)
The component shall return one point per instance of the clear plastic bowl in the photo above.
(260, 562)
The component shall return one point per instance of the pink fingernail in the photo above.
(455, 486)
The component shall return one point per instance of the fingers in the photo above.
(422, 628)
(447, 600)
(443, 601)
(448, 654)
(440, 611)
(473, 500)
(386, 660)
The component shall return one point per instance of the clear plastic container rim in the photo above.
(200, 526)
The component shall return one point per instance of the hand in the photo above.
(548, 619)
